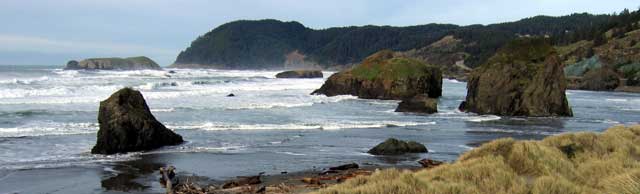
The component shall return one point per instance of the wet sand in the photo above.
(142, 175)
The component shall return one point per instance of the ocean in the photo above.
(48, 124)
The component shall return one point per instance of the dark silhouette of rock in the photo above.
(394, 146)
(131, 63)
(231, 95)
(127, 125)
(524, 78)
(419, 104)
(300, 74)
(601, 79)
(385, 76)
(345, 167)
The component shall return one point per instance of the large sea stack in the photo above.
(385, 76)
(131, 63)
(127, 125)
(524, 78)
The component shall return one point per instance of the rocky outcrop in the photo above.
(592, 67)
(394, 146)
(300, 74)
(132, 63)
(601, 79)
(385, 76)
(524, 78)
(127, 125)
(418, 104)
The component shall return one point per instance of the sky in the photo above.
(51, 32)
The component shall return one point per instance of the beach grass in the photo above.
(571, 163)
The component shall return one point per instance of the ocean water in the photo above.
(48, 121)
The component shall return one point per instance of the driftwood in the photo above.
(243, 180)
(167, 175)
(429, 163)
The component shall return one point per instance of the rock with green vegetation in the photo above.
(300, 74)
(127, 125)
(385, 76)
(394, 146)
(601, 79)
(131, 63)
(524, 78)
(418, 104)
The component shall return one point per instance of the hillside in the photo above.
(270, 43)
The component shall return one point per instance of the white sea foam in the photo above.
(49, 128)
(298, 126)
(495, 130)
(483, 118)
(291, 153)
(617, 100)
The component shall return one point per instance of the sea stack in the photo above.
(524, 78)
(127, 125)
(131, 63)
(386, 76)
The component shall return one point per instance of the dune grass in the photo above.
(573, 163)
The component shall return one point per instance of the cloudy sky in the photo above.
(50, 32)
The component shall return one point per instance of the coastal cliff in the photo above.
(131, 63)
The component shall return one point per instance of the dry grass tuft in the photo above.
(575, 163)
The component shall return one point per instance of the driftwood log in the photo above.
(167, 175)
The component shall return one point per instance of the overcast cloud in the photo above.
(50, 32)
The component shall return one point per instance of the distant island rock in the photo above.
(524, 78)
(131, 63)
(127, 125)
(385, 76)
(300, 74)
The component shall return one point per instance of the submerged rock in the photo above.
(524, 78)
(300, 74)
(394, 146)
(131, 63)
(385, 76)
(127, 125)
(419, 104)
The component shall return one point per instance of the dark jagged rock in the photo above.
(419, 104)
(300, 74)
(524, 78)
(131, 63)
(394, 146)
(127, 125)
(601, 79)
(345, 167)
(385, 76)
